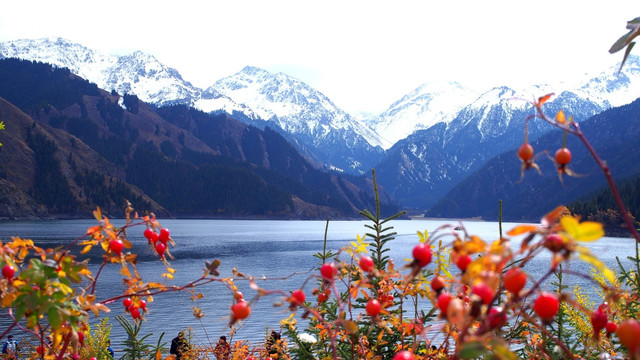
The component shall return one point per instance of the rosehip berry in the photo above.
(135, 312)
(116, 246)
(164, 235)
(629, 334)
(598, 320)
(298, 297)
(463, 262)
(238, 295)
(422, 254)
(497, 318)
(160, 248)
(143, 305)
(81, 337)
(92, 358)
(443, 302)
(8, 272)
(611, 327)
(324, 296)
(404, 355)
(563, 156)
(329, 271)
(546, 305)
(127, 302)
(241, 310)
(366, 264)
(554, 242)
(373, 307)
(483, 291)
(40, 349)
(437, 283)
(525, 152)
(151, 235)
(514, 280)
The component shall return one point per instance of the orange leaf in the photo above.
(543, 99)
(522, 229)
(560, 117)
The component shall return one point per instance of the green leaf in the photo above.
(54, 317)
(472, 350)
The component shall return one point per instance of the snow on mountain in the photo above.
(334, 136)
(320, 129)
(136, 73)
(427, 105)
(291, 104)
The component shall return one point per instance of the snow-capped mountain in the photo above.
(136, 73)
(305, 113)
(420, 169)
(320, 129)
(427, 105)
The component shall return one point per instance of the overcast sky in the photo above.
(363, 55)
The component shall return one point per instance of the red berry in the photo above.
(329, 271)
(463, 262)
(563, 156)
(92, 358)
(373, 307)
(629, 334)
(437, 283)
(127, 302)
(366, 263)
(40, 349)
(324, 296)
(8, 272)
(404, 355)
(546, 305)
(443, 302)
(611, 327)
(81, 337)
(422, 254)
(598, 320)
(143, 305)
(164, 235)
(525, 152)
(554, 242)
(160, 248)
(238, 296)
(298, 297)
(116, 246)
(483, 291)
(241, 310)
(514, 280)
(151, 235)
(135, 312)
(497, 318)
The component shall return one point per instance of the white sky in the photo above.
(363, 55)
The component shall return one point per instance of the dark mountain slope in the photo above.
(615, 135)
(104, 148)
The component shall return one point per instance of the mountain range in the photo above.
(423, 146)
(70, 146)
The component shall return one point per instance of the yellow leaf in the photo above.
(64, 288)
(86, 249)
(351, 326)
(522, 229)
(475, 245)
(124, 271)
(586, 231)
(585, 255)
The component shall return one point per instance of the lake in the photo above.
(281, 251)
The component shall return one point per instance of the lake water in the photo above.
(281, 251)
